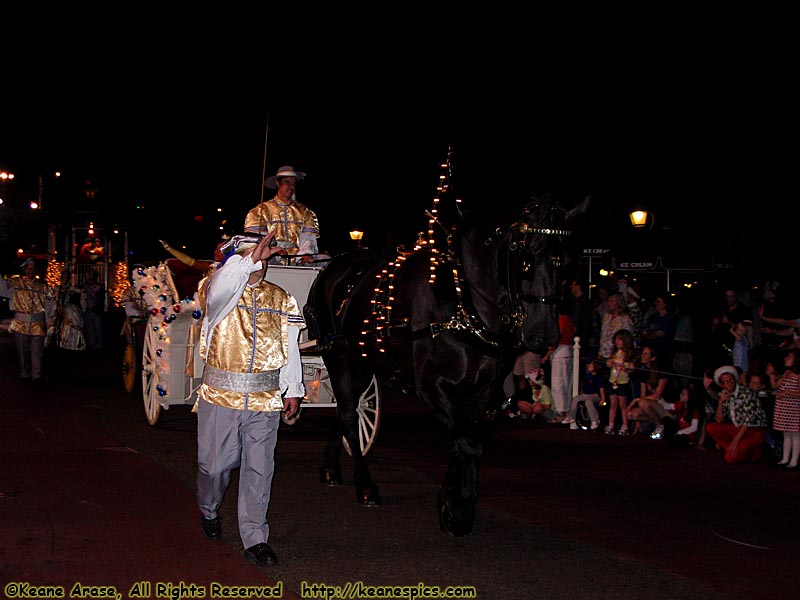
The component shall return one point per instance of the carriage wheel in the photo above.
(369, 417)
(129, 367)
(152, 403)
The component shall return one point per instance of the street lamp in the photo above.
(356, 236)
(639, 218)
(4, 177)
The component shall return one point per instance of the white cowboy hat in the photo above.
(726, 369)
(272, 182)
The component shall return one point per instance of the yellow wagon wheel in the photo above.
(129, 363)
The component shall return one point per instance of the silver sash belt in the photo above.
(29, 317)
(242, 383)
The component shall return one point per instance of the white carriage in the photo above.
(171, 366)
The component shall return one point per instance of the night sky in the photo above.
(691, 123)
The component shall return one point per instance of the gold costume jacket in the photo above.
(29, 303)
(288, 221)
(252, 338)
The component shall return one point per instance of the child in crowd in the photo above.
(690, 412)
(593, 392)
(741, 348)
(621, 364)
(787, 409)
(541, 403)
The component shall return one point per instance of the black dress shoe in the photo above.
(212, 528)
(261, 555)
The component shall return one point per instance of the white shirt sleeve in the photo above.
(291, 374)
(224, 290)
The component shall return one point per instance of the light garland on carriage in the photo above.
(154, 286)
(380, 319)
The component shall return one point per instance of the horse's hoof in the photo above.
(452, 525)
(330, 477)
(368, 497)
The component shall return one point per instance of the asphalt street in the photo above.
(562, 514)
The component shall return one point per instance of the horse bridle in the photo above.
(520, 262)
(465, 320)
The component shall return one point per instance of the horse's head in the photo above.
(539, 252)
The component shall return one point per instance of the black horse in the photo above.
(446, 324)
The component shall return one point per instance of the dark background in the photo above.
(687, 115)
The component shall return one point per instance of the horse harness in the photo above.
(460, 316)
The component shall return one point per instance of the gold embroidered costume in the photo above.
(292, 222)
(29, 302)
(247, 349)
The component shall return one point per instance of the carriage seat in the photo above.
(186, 278)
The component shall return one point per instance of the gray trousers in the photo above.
(30, 352)
(228, 439)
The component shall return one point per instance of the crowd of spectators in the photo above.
(717, 372)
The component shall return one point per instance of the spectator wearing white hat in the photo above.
(741, 423)
(295, 225)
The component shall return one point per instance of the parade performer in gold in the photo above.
(252, 372)
(295, 225)
(30, 299)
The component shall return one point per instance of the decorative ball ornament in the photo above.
(159, 352)
(156, 286)
(188, 299)
(197, 314)
(163, 310)
(154, 311)
(163, 297)
(156, 328)
(176, 308)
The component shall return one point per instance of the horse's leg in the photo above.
(331, 471)
(458, 495)
(348, 381)
(367, 492)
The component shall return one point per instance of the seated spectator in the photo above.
(740, 422)
(526, 362)
(651, 384)
(541, 404)
(593, 392)
(690, 410)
